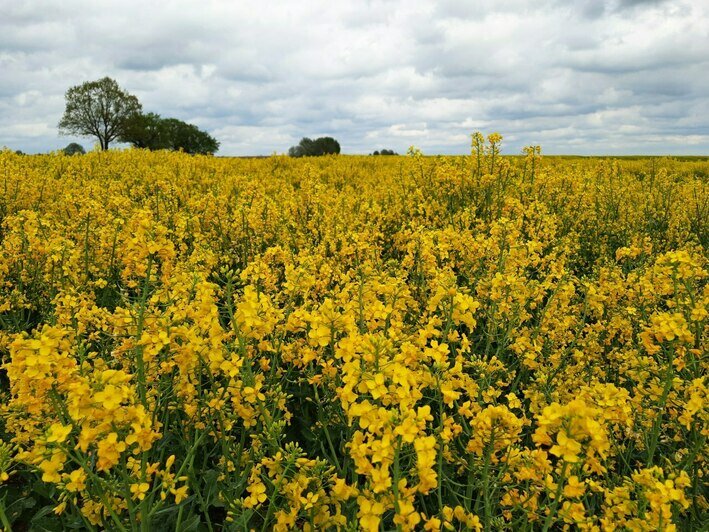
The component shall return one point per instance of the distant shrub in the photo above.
(74, 148)
(384, 152)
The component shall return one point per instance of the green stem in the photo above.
(657, 426)
(327, 432)
(140, 365)
(486, 482)
(557, 495)
(3, 518)
(272, 502)
(397, 474)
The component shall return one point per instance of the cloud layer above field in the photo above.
(620, 76)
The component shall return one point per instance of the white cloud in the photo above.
(584, 76)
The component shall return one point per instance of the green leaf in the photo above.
(191, 524)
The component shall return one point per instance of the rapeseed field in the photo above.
(345, 343)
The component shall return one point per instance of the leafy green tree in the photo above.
(98, 109)
(310, 148)
(153, 132)
(326, 146)
(145, 131)
(74, 148)
(304, 148)
(187, 137)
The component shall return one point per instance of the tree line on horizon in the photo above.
(324, 146)
(103, 110)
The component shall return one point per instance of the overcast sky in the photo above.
(586, 76)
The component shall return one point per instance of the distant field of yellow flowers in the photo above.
(374, 343)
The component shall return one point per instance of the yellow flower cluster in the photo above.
(436, 343)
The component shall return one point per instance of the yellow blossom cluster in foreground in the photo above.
(412, 343)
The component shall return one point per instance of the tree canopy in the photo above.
(188, 137)
(144, 131)
(98, 109)
(309, 148)
(153, 132)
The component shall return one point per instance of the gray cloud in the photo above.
(585, 76)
